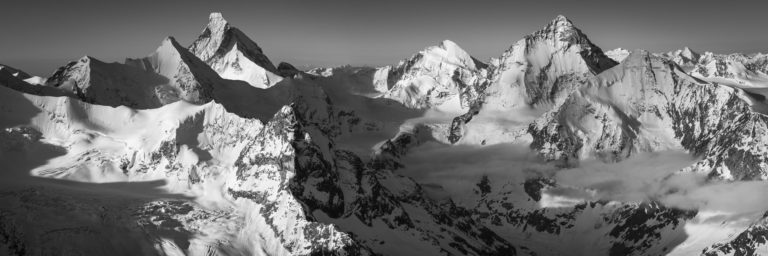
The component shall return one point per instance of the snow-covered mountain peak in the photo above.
(169, 44)
(537, 72)
(449, 45)
(361, 161)
(216, 22)
(749, 72)
(168, 56)
(112, 84)
(190, 78)
(212, 37)
(431, 77)
(219, 37)
(561, 21)
(85, 58)
(232, 54)
(617, 54)
(686, 54)
(619, 50)
(558, 53)
(446, 52)
(635, 69)
(562, 30)
(560, 36)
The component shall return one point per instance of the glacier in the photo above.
(552, 148)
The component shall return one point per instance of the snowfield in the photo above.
(553, 148)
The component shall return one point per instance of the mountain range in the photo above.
(553, 148)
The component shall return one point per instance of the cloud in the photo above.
(639, 178)
(657, 177)
(733, 198)
(458, 168)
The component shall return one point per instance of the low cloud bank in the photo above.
(657, 177)
(458, 168)
(644, 177)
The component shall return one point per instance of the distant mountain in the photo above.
(685, 57)
(112, 84)
(737, 70)
(189, 78)
(431, 78)
(618, 54)
(233, 55)
(533, 75)
(15, 72)
(20, 81)
(544, 64)
(648, 104)
(554, 148)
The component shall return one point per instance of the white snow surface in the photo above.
(233, 55)
(207, 151)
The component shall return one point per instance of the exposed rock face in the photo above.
(294, 171)
(190, 78)
(538, 72)
(617, 229)
(287, 70)
(748, 242)
(15, 72)
(206, 151)
(748, 72)
(431, 78)
(20, 81)
(111, 84)
(647, 104)
(544, 64)
(233, 55)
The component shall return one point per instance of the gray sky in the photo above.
(39, 36)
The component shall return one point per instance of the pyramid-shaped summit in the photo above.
(190, 78)
(431, 77)
(562, 21)
(557, 53)
(233, 55)
(562, 33)
(537, 72)
(219, 37)
(111, 84)
(447, 52)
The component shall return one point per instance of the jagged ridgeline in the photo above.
(211, 149)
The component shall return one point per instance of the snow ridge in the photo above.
(190, 79)
(206, 150)
(232, 54)
(431, 78)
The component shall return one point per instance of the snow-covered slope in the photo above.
(544, 64)
(433, 77)
(738, 70)
(534, 74)
(232, 54)
(686, 58)
(551, 149)
(111, 84)
(17, 80)
(618, 54)
(288, 186)
(189, 78)
(649, 104)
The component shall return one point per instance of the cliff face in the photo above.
(207, 150)
(647, 104)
